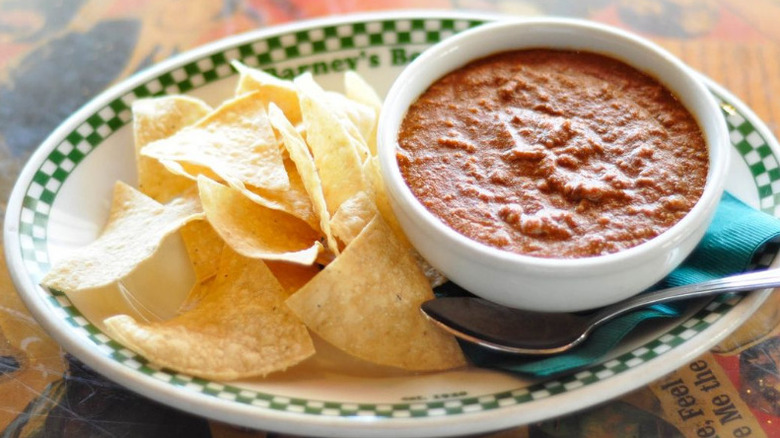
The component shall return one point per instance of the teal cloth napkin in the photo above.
(736, 234)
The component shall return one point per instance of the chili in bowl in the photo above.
(552, 164)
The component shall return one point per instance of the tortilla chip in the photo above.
(155, 119)
(136, 226)
(306, 169)
(358, 90)
(240, 328)
(332, 147)
(357, 120)
(292, 276)
(204, 247)
(294, 201)
(352, 216)
(235, 142)
(256, 231)
(367, 303)
(379, 195)
(382, 202)
(198, 291)
(272, 90)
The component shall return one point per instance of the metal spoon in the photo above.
(537, 333)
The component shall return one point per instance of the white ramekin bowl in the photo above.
(550, 284)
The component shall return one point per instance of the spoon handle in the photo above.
(769, 278)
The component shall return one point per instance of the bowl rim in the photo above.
(717, 143)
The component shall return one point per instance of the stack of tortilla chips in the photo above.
(277, 196)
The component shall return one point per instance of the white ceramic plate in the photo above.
(61, 201)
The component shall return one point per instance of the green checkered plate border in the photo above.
(373, 43)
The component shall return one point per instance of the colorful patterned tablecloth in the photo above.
(55, 55)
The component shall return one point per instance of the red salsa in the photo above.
(553, 153)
